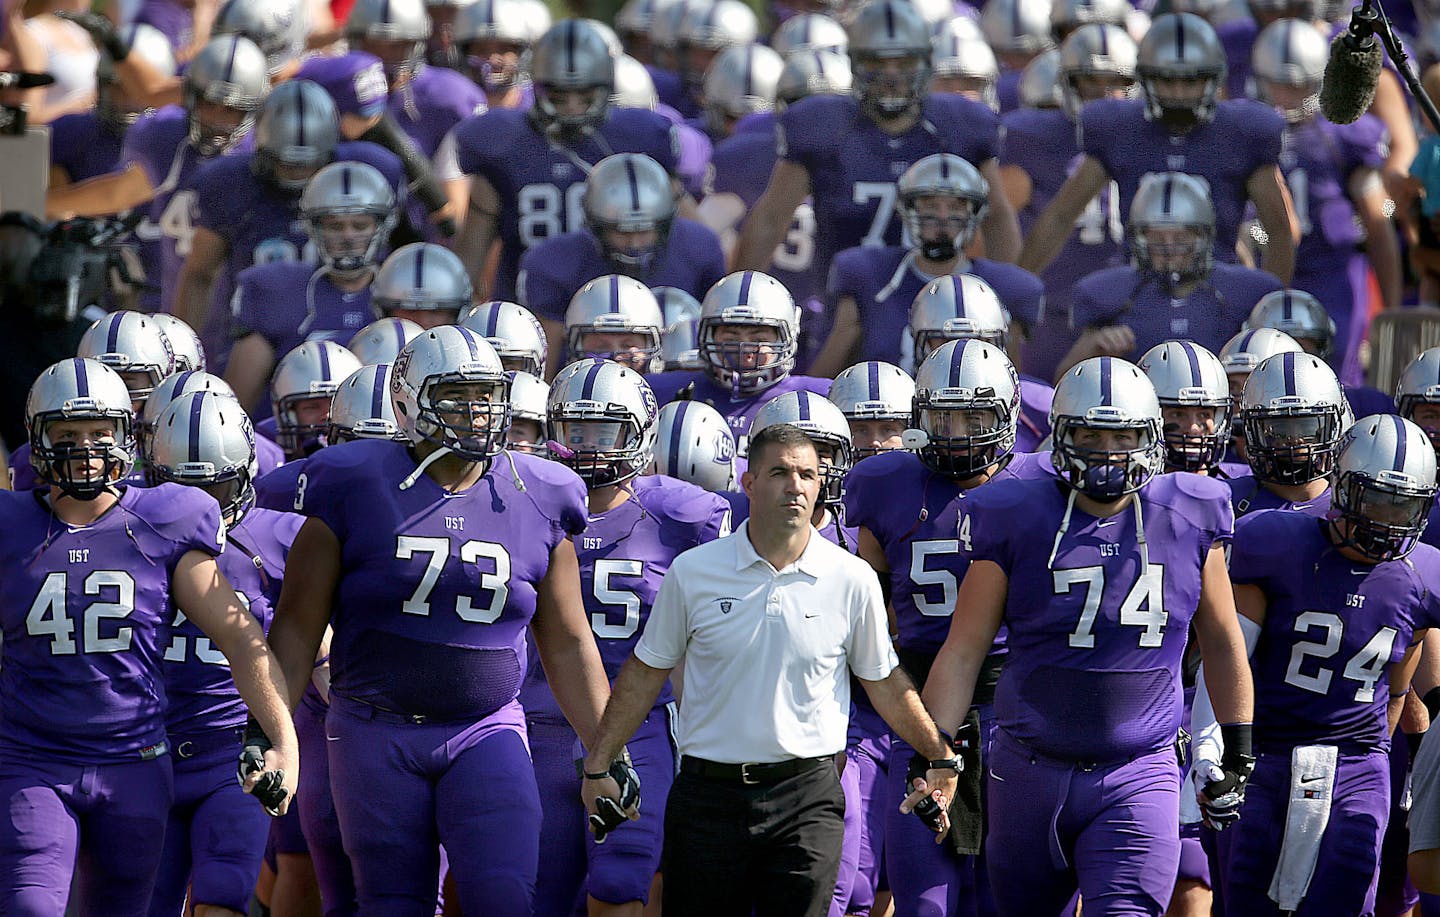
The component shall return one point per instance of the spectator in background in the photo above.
(70, 57)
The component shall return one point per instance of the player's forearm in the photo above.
(193, 291)
(577, 679)
(838, 350)
(262, 685)
(1001, 231)
(631, 700)
(762, 232)
(1227, 676)
(1046, 238)
(950, 686)
(1279, 255)
(102, 195)
(1383, 250)
(898, 703)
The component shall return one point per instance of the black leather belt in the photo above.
(752, 774)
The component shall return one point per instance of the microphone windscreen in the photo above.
(1351, 77)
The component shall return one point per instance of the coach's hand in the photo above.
(933, 784)
(266, 772)
(611, 797)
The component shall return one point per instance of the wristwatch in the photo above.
(953, 763)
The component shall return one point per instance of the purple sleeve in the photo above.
(801, 135)
(212, 189)
(537, 289)
(1259, 546)
(1366, 144)
(989, 522)
(975, 131)
(198, 526)
(321, 491)
(1265, 129)
(845, 275)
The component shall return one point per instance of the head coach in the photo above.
(770, 622)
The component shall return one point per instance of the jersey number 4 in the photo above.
(437, 552)
(1144, 605)
(50, 615)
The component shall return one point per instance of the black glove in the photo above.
(270, 789)
(102, 32)
(927, 809)
(1223, 795)
(419, 170)
(610, 813)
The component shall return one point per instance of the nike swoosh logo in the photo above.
(1312, 779)
(1104, 522)
(810, 615)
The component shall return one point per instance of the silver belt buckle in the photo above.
(745, 777)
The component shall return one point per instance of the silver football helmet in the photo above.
(665, 32)
(708, 29)
(189, 352)
(873, 391)
(529, 400)
(694, 444)
(809, 32)
(422, 277)
(629, 193)
(827, 428)
(377, 25)
(1095, 52)
(313, 370)
(572, 56)
(278, 28)
(1299, 315)
(472, 427)
(202, 439)
(966, 408)
(1171, 202)
(1068, 15)
(1017, 26)
(679, 345)
(382, 340)
(602, 421)
(229, 71)
(755, 300)
(79, 389)
(966, 65)
(1248, 349)
(885, 30)
(634, 87)
(615, 304)
(742, 80)
(1186, 375)
(132, 344)
(1294, 413)
(1384, 486)
(1290, 53)
(634, 20)
(812, 73)
(1419, 384)
(1106, 393)
(361, 409)
(514, 332)
(1040, 81)
(171, 388)
(296, 134)
(341, 189)
(1181, 46)
(942, 175)
(146, 43)
(953, 307)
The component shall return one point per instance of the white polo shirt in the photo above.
(767, 653)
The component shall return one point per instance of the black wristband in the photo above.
(602, 775)
(1237, 739)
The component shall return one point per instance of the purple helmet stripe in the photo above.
(197, 409)
(1107, 397)
(635, 182)
(399, 335)
(945, 167)
(1288, 305)
(1180, 37)
(570, 65)
(385, 11)
(345, 172)
(419, 282)
(803, 404)
(957, 360)
(744, 297)
(1244, 345)
(872, 380)
(469, 340)
(82, 379)
(324, 362)
(959, 289)
(889, 21)
(300, 117)
(112, 335)
(229, 74)
(1285, 56)
(1399, 442)
(1194, 360)
(492, 327)
(1288, 364)
(1169, 190)
(1104, 42)
(678, 426)
(377, 391)
(587, 388)
(614, 297)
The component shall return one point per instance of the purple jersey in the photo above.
(553, 270)
(290, 302)
(1365, 401)
(268, 455)
(86, 615)
(201, 693)
(277, 489)
(693, 151)
(432, 103)
(1318, 160)
(1093, 672)
(884, 282)
(84, 146)
(1332, 629)
(539, 184)
(914, 513)
(740, 412)
(853, 165)
(1033, 425)
(1042, 144)
(436, 589)
(1237, 37)
(1210, 315)
(1243, 136)
(1249, 495)
(175, 20)
(1007, 89)
(624, 554)
(260, 223)
(833, 531)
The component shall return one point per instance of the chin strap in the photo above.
(426, 462)
(1140, 536)
(1064, 527)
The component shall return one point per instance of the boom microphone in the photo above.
(25, 80)
(1353, 72)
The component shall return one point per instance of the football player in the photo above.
(602, 422)
(1083, 788)
(1240, 355)
(875, 398)
(529, 415)
(514, 332)
(120, 558)
(1181, 125)
(1195, 406)
(693, 443)
(215, 836)
(305, 381)
(464, 552)
(615, 318)
(424, 284)
(493, 38)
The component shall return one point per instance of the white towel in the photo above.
(1312, 781)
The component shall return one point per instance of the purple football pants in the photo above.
(106, 821)
(1111, 830)
(1349, 859)
(402, 789)
(318, 822)
(868, 755)
(215, 836)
